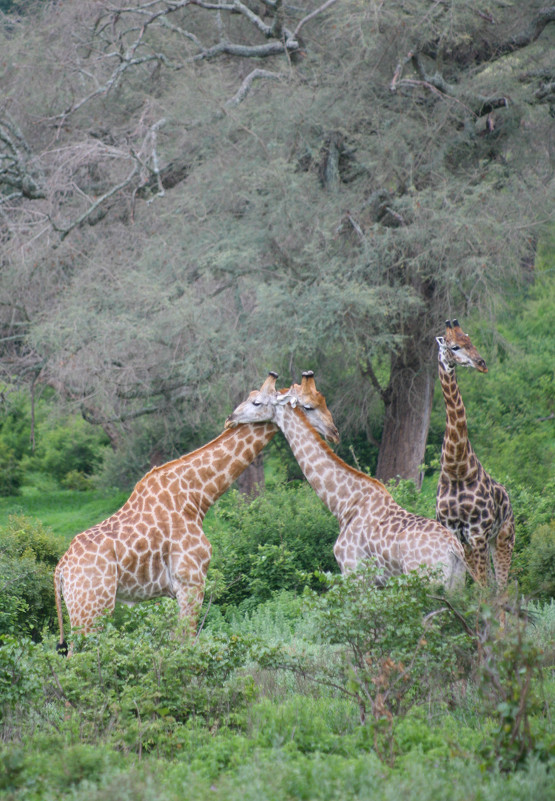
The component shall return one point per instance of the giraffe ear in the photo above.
(448, 324)
(440, 341)
(456, 324)
(286, 397)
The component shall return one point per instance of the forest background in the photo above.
(192, 193)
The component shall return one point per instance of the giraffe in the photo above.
(371, 523)
(469, 502)
(154, 545)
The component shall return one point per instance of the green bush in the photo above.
(20, 679)
(268, 544)
(70, 451)
(137, 685)
(539, 578)
(28, 555)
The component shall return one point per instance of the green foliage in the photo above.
(11, 471)
(539, 578)
(418, 501)
(20, 679)
(510, 672)
(268, 544)
(28, 555)
(140, 714)
(138, 685)
(14, 443)
(70, 452)
(384, 654)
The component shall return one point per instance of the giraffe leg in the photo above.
(470, 559)
(190, 597)
(189, 570)
(502, 551)
(480, 556)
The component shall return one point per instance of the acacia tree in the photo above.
(193, 192)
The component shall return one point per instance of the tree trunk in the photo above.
(251, 480)
(408, 407)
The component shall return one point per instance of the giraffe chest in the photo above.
(467, 508)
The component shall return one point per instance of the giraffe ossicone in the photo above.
(469, 502)
(371, 523)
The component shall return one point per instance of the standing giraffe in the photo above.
(154, 545)
(469, 502)
(371, 523)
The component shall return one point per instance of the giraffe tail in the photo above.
(61, 647)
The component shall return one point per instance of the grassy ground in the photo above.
(66, 512)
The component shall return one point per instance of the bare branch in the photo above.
(313, 14)
(65, 231)
(245, 87)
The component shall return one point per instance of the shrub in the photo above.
(28, 555)
(511, 690)
(137, 686)
(20, 679)
(70, 451)
(266, 545)
(539, 578)
(384, 654)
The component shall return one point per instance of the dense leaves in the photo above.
(387, 167)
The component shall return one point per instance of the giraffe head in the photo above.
(262, 405)
(456, 348)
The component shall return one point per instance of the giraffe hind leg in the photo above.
(88, 596)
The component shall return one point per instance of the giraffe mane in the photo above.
(228, 433)
(353, 470)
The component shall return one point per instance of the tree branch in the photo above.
(65, 231)
(313, 14)
(245, 87)
(368, 372)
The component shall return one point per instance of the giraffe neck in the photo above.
(337, 484)
(456, 451)
(197, 480)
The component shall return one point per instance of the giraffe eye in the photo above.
(308, 408)
(256, 403)
(455, 347)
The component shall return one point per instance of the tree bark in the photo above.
(408, 405)
(251, 481)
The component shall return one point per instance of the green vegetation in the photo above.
(191, 194)
(267, 705)
(301, 684)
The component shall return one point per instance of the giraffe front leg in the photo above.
(470, 560)
(189, 567)
(190, 597)
(502, 552)
(480, 556)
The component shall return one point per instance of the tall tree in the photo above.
(195, 190)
